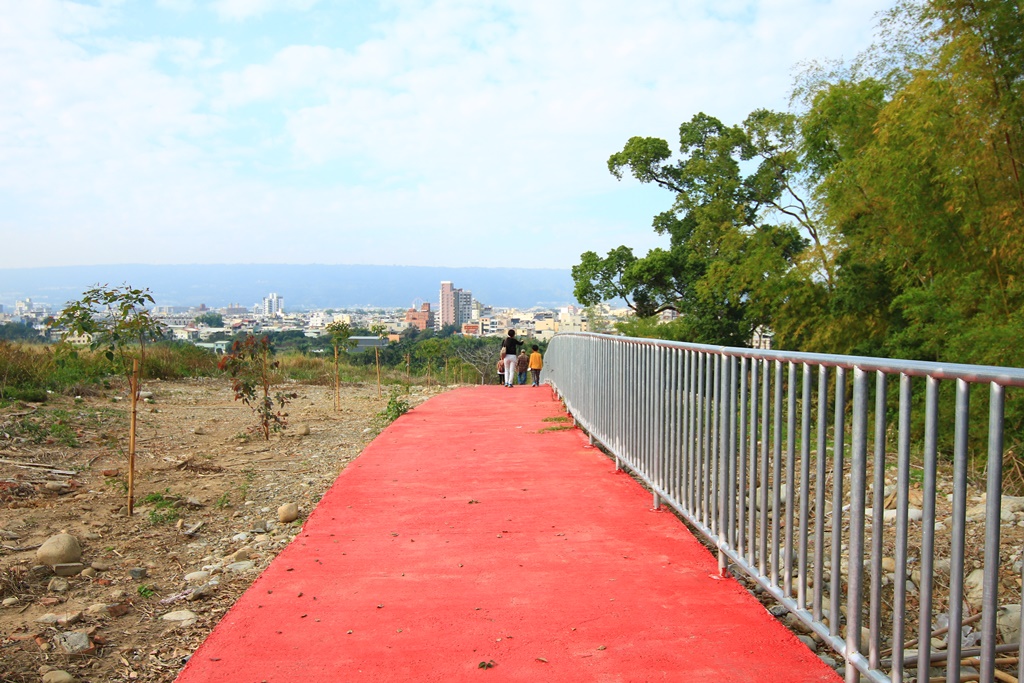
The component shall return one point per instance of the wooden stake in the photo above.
(134, 383)
(376, 355)
(337, 391)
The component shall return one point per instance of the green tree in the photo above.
(253, 377)
(727, 269)
(340, 334)
(210, 319)
(380, 331)
(117, 321)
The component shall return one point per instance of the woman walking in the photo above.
(509, 347)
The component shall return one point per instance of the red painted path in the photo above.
(466, 534)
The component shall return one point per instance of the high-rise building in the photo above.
(273, 305)
(421, 319)
(455, 306)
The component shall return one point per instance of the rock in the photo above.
(58, 676)
(68, 568)
(69, 619)
(194, 502)
(1008, 622)
(240, 566)
(57, 585)
(888, 564)
(974, 587)
(1013, 503)
(914, 515)
(59, 549)
(809, 642)
(259, 527)
(240, 537)
(184, 617)
(55, 486)
(10, 602)
(48, 618)
(302, 430)
(197, 577)
(101, 565)
(96, 608)
(204, 591)
(941, 565)
(145, 395)
(74, 643)
(288, 512)
(240, 554)
(199, 431)
(40, 572)
(137, 573)
(89, 573)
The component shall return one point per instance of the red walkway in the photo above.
(466, 534)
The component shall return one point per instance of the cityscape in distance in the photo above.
(307, 287)
(535, 302)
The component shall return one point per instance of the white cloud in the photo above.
(456, 122)
(246, 9)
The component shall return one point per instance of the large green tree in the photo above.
(730, 260)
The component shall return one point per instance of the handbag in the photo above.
(503, 352)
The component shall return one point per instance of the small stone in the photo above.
(204, 591)
(194, 502)
(89, 573)
(199, 431)
(57, 585)
(184, 617)
(118, 610)
(197, 577)
(914, 515)
(55, 486)
(288, 512)
(58, 676)
(96, 608)
(68, 568)
(100, 565)
(74, 642)
(69, 619)
(48, 618)
(888, 564)
(10, 602)
(241, 554)
(809, 642)
(238, 567)
(240, 537)
(1008, 621)
(137, 573)
(302, 430)
(59, 549)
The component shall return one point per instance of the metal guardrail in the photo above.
(724, 436)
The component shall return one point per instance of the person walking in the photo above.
(522, 363)
(509, 346)
(501, 371)
(536, 365)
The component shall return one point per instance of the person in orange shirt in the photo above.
(536, 364)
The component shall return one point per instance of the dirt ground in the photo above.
(208, 493)
(206, 522)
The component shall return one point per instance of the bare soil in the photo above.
(200, 469)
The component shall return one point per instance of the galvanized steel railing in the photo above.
(724, 436)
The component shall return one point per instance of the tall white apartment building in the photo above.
(273, 305)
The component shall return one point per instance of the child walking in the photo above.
(536, 364)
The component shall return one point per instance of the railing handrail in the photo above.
(723, 436)
(1003, 376)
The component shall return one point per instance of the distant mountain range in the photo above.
(301, 286)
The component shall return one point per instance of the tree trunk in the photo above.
(134, 384)
(337, 390)
(376, 355)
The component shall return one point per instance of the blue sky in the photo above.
(411, 132)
